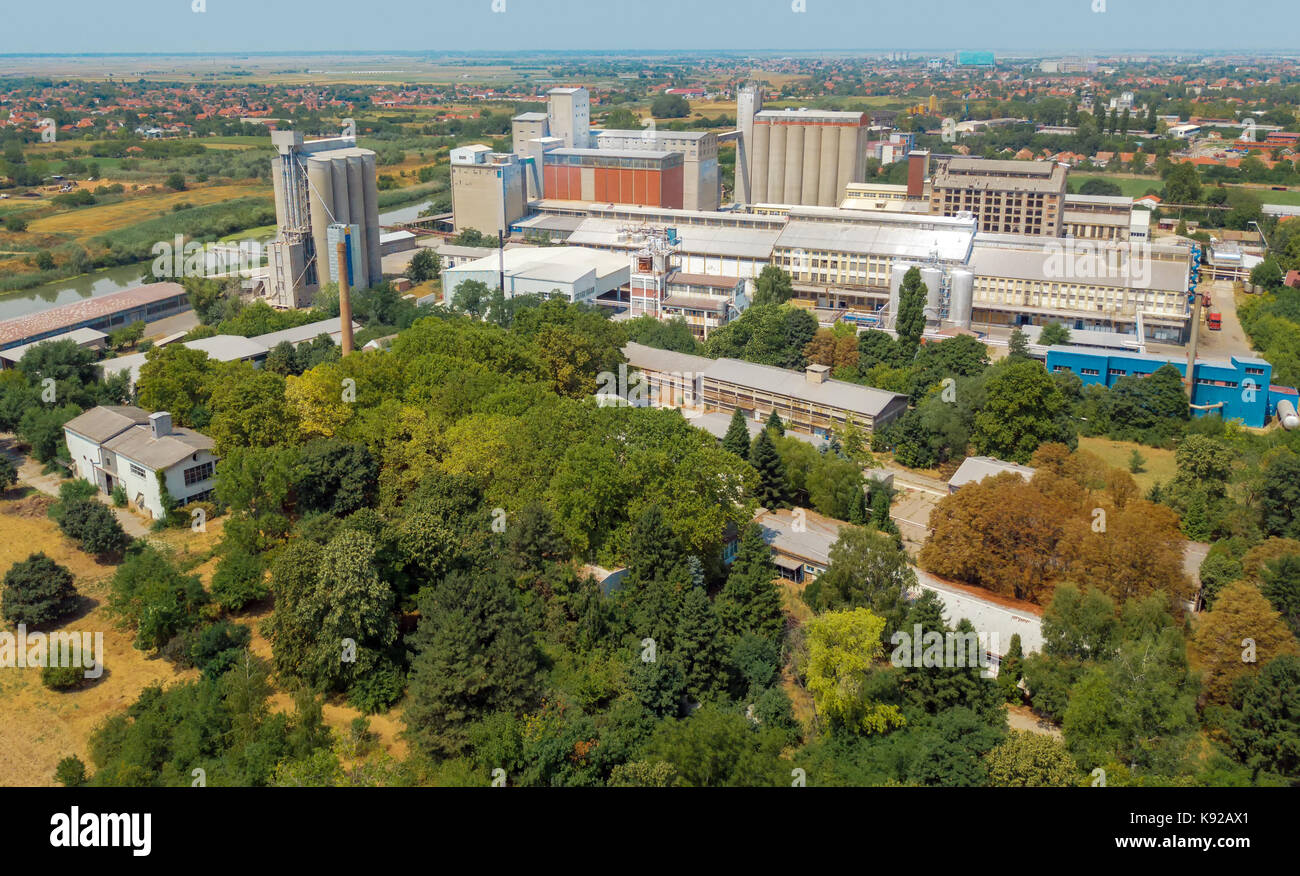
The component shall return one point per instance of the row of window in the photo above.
(198, 473)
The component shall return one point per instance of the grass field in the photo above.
(92, 221)
(1129, 186)
(1159, 465)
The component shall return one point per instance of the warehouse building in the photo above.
(1237, 388)
(808, 402)
(568, 272)
(146, 303)
(803, 156)
(88, 339)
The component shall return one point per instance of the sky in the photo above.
(1011, 26)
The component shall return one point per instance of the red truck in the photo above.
(1214, 321)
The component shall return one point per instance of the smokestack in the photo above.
(345, 300)
(816, 373)
(160, 424)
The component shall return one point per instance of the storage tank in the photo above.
(793, 165)
(1286, 415)
(321, 196)
(357, 209)
(776, 164)
(371, 191)
(812, 163)
(828, 172)
(961, 296)
(933, 280)
(847, 164)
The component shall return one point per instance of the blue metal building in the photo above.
(1239, 388)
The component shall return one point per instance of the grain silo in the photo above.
(806, 157)
(961, 297)
(933, 280)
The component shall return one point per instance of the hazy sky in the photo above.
(164, 26)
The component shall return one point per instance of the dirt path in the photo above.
(1023, 718)
(31, 473)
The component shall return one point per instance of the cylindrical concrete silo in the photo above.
(812, 163)
(846, 167)
(776, 164)
(357, 210)
(371, 187)
(961, 297)
(828, 172)
(895, 286)
(758, 162)
(793, 165)
(933, 280)
(321, 195)
(339, 176)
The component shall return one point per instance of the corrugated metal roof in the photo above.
(747, 243)
(833, 393)
(1082, 265)
(895, 241)
(22, 327)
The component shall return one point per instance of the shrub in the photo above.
(119, 496)
(63, 677)
(94, 527)
(71, 772)
(38, 591)
(240, 578)
(378, 689)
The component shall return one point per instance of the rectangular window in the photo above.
(1091, 372)
(198, 473)
(137, 470)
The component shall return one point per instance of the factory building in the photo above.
(525, 127)
(1237, 389)
(488, 190)
(567, 272)
(1011, 197)
(568, 116)
(808, 157)
(1107, 287)
(324, 190)
(701, 181)
(650, 178)
(147, 303)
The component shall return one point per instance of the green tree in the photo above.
(910, 320)
(471, 655)
(1267, 735)
(38, 591)
(737, 438)
(1018, 345)
(749, 601)
(94, 527)
(1054, 334)
(773, 483)
(842, 648)
(867, 569)
(424, 266)
(774, 423)
(1024, 409)
(774, 286)
(1031, 760)
(698, 646)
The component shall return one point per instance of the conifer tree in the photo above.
(750, 601)
(775, 423)
(1011, 669)
(737, 438)
(773, 483)
(698, 646)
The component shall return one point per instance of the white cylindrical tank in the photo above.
(933, 280)
(321, 196)
(342, 204)
(961, 295)
(1286, 415)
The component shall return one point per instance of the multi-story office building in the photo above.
(701, 182)
(803, 156)
(488, 189)
(1006, 197)
(1098, 217)
(319, 184)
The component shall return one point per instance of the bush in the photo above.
(38, 591)
(378, 689)
(119, 496)
(8, 473)
(63, 678)
(94, 527)
(71, 772)
(217, 647)
(240, 578)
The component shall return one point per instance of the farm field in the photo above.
(92, 221)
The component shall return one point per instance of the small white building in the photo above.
(131, 448)
(976, 468)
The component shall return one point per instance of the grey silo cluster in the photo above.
(344, 191)
(806, 157)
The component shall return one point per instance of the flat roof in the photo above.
(810, 115)
(655, 134)
(833, 393)
(655, 359)
(1091, 268)
(530, 117)
(896, 240)
(70, 315)
(301, 333)
(730, 241)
